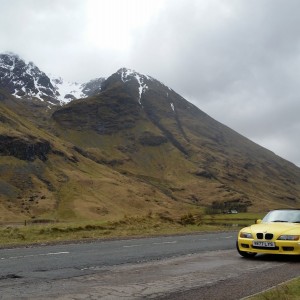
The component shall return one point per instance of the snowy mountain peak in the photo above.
(129, 74)
(27, 81)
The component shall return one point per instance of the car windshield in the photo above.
(291, 216)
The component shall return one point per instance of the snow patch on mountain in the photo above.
(67, 90)
(172, 106)
(26, 80)
(128, 74)
(142, 86)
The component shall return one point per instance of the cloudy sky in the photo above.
(237, 60)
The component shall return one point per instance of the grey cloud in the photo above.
(237, 60)
(41, 31)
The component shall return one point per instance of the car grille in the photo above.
(266, 236)
(260, 236)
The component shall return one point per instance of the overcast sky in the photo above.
(237, 60)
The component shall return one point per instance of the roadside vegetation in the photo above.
(285, 291)
(129, 226)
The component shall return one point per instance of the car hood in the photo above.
(276, 228)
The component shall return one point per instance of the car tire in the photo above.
(245, 253)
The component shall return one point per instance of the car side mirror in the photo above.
(258, 221)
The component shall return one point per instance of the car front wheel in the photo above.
(245, 253)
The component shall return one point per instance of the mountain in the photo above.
(145, 130)
(26, 80)
(132, 147)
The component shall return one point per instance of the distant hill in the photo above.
(132, 147)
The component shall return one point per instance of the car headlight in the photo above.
(246, 235)
(289, 238)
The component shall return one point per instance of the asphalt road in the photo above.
(151, 268)
(64, 261)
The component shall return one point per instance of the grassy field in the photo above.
(286, 291)
(149, 225)
(242, 218)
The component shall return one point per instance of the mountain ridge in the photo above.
(26, 80)
(132, 146)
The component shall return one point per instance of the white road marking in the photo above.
(130, 246)
(224, 237)
(33, 255)
(161, 243)
(139, 245)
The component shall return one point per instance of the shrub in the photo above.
(187, 219)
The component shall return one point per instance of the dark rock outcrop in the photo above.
(24, 149)
(93, 87)
(149, 139)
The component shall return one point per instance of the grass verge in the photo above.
(286, 291)
(150, 225)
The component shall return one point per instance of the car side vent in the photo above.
(268, 236)
(260, 236)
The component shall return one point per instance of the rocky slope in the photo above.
(44, 177)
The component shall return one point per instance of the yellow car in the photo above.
(277, 233)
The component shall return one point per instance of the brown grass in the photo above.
(148, 225)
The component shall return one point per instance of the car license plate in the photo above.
(264, 244)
